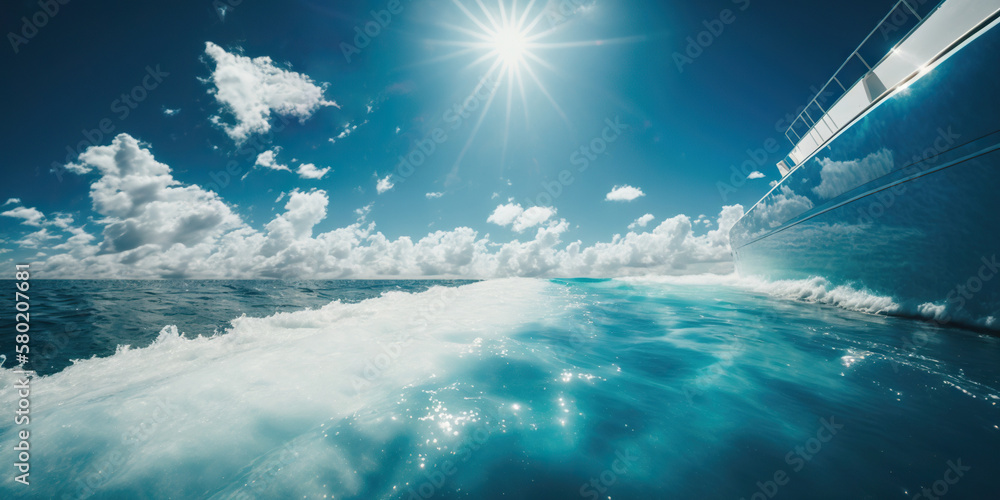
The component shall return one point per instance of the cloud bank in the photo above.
(153, 226)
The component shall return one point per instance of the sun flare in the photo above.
(510, 45)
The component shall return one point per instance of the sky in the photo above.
(399, 138)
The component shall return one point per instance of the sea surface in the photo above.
(699, 387)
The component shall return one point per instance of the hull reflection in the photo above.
(903, 202)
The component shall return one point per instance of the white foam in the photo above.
(945, 312)
(820, 291)
(207, 407)
(693, 279)
(816, 290)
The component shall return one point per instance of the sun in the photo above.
(511, 46)
(505, 38)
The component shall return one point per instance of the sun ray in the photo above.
(489, 16)
(503, 14)
(475, 130)
(506, 127)
(545, 91)
(471, 16)
(524, 96)
(592, 43)
(442, 58)
(524, 15)
(510, 37)
(541, 61)
(482, 35)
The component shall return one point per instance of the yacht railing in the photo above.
(818, 122)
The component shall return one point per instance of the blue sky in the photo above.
(595, 74)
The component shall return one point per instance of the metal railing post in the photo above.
(863, 60)
(907, 4)
(838, 83)
(806, 117)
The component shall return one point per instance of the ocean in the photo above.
(697, 387)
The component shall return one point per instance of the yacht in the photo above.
(892, 183)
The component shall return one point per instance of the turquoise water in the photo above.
(706, 387)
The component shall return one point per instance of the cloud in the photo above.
(309, 171)
(35, 218)
(384, 184)
(838, 177)
(505, 215)
(145, 209)
(28, 216)
(533, 217)
(642, 221)
(624, 193)
(12, 201)
(755, 175)
(302, 212)
(154, 226)
(305, 170)
(433, 196)
(348, 130)
(780, 207)
(363, 212)
(251, 90)
(670, 248)
(266, 160)
(170, 112)
(37, 239)
(518, 218)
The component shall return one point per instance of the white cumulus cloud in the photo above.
(267, 160)
(505, 215)
(252, 89)
(518, 218)
(309, 171)
(144, 208)
(433, 196)
(533, 217)
(384, 184)
(642, 221)
(756, 175)
(624, 193)
(28, 216)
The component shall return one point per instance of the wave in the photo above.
(820, 290)
(225, 406)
